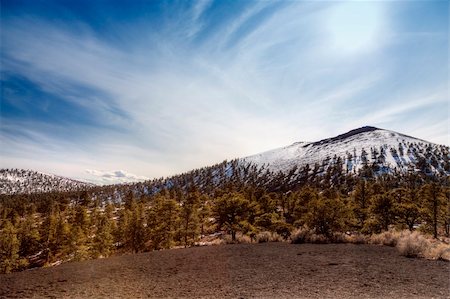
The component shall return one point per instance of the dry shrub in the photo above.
(210, 243)
(339, 238)
(265, 236)
(227, 239)
(413, 244)
(438, 251)
(357, 239)
(318, 239)
(243, 239)
(304, 235)
(388, 238)
(211, 239)
(301, 235)
(240, 239)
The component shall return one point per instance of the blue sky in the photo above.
(111, 91)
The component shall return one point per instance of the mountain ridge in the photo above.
(384, 150)
(23, 181)
(351, 147)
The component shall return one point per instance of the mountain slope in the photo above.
(380, 151)
(20, 181)
(391, 151)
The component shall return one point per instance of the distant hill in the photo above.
(21, 181)
(366, 151)
(389, 150)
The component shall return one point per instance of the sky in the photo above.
(116, 91)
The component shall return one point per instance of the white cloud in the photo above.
(114, 176)
(188, 105)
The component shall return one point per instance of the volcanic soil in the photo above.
(269, 270)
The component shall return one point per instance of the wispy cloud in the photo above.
(201, 83)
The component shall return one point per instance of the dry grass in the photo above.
(387, 238)
(304, 235)
(438, 251)
(265, 236)
(240, 239)
(409, 244)
(413, 244)
(357, 239)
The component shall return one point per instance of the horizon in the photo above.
(113, 93)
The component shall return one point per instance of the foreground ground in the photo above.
(274, 270)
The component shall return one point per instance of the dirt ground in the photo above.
(273, 270)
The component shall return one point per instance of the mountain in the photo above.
(390, 151)
(20, 181)
(366, 151)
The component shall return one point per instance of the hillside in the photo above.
(236, 199)
(366, 151)
(392, 151)
(21, 181)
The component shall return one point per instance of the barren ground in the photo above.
(273, 270)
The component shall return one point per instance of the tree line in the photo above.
(48, 228)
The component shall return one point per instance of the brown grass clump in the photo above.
(240, 239)
(388, 238)
(265, 236)
(301, 235)
(304, 235)
(413, 244)
(357, 239)
(438, 251)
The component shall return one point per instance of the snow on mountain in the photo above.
(366, 145)
(20, 181)
(383, 151)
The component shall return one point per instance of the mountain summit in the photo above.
(363, 146)
(367, 148)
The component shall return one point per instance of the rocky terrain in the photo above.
(269, 270)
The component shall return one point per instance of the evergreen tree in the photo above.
(9, 249)
(407, 206)
(79, 233)
(229, 211)
(136, 232)
(433, 198)
(29, 236)
(361, 203)
(121, 232)
(163, 219)
(102, 244)
(382, 210)
(326, 215)
(189, 214)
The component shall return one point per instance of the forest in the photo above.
(229, 199)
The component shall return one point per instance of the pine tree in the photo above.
(229, 211)
(121, 232)
(137, 234)
(9, 249)
(361, 203)
(326, 215)
(79, 233)
(29, 236)
(189, 216)
(102, 244)
(162, 222)
(407, 206)
(382, 210)
(433, 208)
